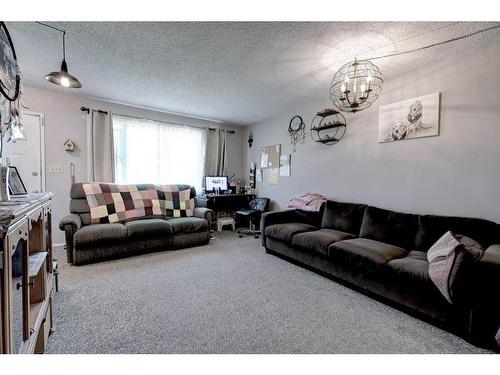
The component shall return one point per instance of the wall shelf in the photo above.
(328, 127)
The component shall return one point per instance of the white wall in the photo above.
(456, 173)
(63, 120)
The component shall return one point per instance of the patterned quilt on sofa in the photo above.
(112, 203)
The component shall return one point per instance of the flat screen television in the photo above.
(212, 183)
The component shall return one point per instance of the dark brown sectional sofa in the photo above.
(383, 253)
(89, 243)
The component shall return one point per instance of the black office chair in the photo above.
(256, 207)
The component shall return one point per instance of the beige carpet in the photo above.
(227, 297)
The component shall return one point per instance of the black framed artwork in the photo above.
(16, 185)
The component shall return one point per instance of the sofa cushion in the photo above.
(184, 225)
(414, 267)
(433, 227)
(147, 228)
(318, 240)
(310, 217)
(346, 217)
(364, 254)
(395, 228)
(285, 232)
(411, 274)
(100, 234)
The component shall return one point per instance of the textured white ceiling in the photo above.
(232, 72)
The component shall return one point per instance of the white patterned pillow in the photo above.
(448, 259)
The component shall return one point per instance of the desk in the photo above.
(224, 205)
(224, 202)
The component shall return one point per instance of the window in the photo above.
(148, 151)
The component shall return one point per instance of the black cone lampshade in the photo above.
(63, 78)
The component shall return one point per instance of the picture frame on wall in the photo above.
(409, 119)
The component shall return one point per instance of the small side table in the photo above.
(225, 221)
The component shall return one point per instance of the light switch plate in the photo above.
(56, 168)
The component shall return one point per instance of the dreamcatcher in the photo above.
(10, 82)
(296, 130)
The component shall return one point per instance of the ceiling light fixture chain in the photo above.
(435, 44)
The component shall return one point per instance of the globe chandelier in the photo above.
(356, 86)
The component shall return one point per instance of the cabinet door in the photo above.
(19, 295)
(47, 220)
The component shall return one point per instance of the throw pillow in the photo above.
(448, 259)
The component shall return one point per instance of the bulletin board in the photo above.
(270, 156)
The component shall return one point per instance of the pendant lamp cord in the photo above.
(61, 31)
(434, 44)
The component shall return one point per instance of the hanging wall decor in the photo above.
(408, 119)
(250, 139)
(10, 76)
(328, 127)
(296, 130)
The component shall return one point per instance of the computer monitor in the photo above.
(215, 182)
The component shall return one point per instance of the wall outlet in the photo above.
(56, 168)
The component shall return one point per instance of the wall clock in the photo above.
(296, 130)
(9, 69)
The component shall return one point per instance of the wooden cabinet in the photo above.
(26, 274)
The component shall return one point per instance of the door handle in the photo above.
(34, 173)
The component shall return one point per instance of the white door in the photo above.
(28, 154)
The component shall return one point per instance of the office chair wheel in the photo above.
(256, 237)
(240, 236)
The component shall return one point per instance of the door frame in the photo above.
(41, 118)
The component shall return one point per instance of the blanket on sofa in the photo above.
(112, 203)
(307, 202)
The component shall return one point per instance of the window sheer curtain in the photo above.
(148, 151)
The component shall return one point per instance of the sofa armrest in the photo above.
(485, 313)
(73, 220)
(70, 225)
(276, 217)
(204, 213)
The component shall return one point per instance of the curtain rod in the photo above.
(227, 131)
(85, 109)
